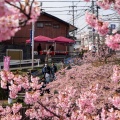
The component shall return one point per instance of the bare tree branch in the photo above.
(31, 7)
(22, 11)
(58, 116)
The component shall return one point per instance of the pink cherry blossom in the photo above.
(84, 92)
(116, 74)
(6, 63)
(32, 113)
(113, 41)
(13, 15)
(90, 19)
(32, 97)
(102, 27)
(104, 4)
(14, 89)
(16, 107)
(3, 84)
(1, 110)
(116, 101)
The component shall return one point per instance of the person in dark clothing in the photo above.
(53, 70)
(81, 53)
(39, 48)
(46, 71)
(52, 48)
(94, 50)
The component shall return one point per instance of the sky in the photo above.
(63, 9)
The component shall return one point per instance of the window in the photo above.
(40, 24)
(56, 26)
(48, 24)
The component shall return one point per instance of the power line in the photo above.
(62, 14)
(82, 28)
(61, 1)
(80, 14)
(54, 1)
(109, 14)
(77, 3)
(64, 7)
(64, 10)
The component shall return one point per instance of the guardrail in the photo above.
(20, 62)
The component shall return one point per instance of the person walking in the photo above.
(46, 71)
(81, 53)
(94, 50)
(53, 70)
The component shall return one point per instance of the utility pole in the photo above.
(98, 37)
(33, 34)
(33, 31)
(93, 28)
(73, 12)
(73, 16)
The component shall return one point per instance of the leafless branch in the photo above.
(22, 11)
(58, 116)
(31, 7)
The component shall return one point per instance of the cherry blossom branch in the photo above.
(20, 4)
(22, 11)
(31, 7)
(24, 118)
(58, 116)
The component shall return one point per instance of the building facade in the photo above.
(46, 25)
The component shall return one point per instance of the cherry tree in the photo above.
(74, 95)
(14, 14)
(81, 93)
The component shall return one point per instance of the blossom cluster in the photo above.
(80, 93)
(11, 113)
(116, 74)
(106, 4)
(113, 41)
(90, 97)
(18, 82)
(14, 14)
(100, 26)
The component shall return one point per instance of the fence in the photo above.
(20, 63)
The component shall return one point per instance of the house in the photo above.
(46, 25)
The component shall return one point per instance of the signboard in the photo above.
(89, 27)
(112, 26)
(93, 30)
(15, 54)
